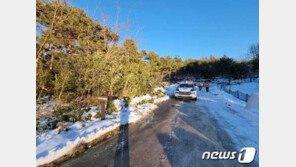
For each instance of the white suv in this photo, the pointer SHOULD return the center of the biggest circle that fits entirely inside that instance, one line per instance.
(186, 90)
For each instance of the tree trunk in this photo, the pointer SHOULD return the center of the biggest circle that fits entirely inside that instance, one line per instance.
(63, 87)
(124, 93)
(251, 77)
(51, 62)
(111, 88)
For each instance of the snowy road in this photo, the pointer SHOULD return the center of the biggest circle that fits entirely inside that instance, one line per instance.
(178, 133)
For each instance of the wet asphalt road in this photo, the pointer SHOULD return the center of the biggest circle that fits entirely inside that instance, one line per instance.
(176, 134)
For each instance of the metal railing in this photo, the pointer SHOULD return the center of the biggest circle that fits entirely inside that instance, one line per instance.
(237, 93)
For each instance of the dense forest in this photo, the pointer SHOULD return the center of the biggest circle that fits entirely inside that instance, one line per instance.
(77, 58)
(224, 67)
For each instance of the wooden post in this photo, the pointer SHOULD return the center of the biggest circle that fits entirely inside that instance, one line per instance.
(103, 100)
(103, 110)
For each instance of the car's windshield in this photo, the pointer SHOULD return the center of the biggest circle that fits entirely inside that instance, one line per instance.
(186, 86)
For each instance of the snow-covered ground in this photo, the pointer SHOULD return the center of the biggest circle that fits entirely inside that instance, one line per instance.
(245, 86)
(170, 90)
(51, 145)
(240, 123)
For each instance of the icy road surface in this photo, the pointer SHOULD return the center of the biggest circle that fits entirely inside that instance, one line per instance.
(178, 133)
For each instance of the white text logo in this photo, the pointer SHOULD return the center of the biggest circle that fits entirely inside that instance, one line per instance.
(246, 155)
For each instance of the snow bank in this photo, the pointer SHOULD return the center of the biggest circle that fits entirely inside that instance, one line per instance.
(246, 86)
(139, 99)
(118, 104)
(253, 102)
(171, 89)
(240, 123)
(51, 145)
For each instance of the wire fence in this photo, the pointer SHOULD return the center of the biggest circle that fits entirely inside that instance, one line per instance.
(237, 94)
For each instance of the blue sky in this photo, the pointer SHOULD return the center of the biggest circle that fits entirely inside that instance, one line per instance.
(189, 28)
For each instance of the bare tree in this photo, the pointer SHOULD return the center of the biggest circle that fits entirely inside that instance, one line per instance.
(254, 50)
(253, 55)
